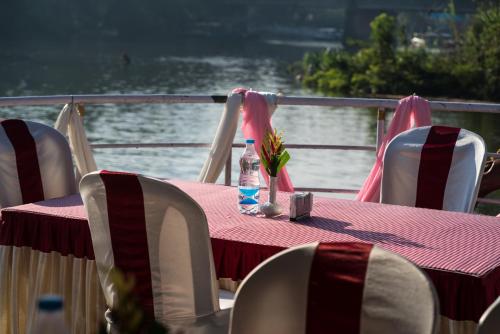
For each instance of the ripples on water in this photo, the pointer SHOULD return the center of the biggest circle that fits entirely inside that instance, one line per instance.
(198, 68)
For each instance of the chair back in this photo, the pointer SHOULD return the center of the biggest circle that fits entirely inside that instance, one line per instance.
(335, 287)
(489, 323)
(435, 167)
(35, 163)
(155, 232)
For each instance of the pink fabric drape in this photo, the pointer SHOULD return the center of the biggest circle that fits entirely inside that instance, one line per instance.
(412, 111)
(256, 123)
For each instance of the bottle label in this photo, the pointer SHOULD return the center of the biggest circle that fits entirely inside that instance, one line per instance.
(248, 196)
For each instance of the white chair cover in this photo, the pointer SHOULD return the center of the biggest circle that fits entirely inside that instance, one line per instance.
(70, 123)
(35, 163)
(156, 232)
(490, 320)
(434, 167)
(223, 140)
(335, 288)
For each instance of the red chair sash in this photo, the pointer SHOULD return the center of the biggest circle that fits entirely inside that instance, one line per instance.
(336, 286)
(28, 168)
(127, 226)
(435, 162)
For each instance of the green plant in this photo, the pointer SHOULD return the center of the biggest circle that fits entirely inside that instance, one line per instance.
(273, 154)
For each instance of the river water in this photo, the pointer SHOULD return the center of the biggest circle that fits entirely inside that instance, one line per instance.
(198, 67)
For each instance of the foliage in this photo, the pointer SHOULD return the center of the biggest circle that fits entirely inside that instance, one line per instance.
(273, 154)
(469, 70)
(480, 54)
(128, 315)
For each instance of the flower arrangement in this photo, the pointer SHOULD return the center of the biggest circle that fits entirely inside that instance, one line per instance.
(273, 154)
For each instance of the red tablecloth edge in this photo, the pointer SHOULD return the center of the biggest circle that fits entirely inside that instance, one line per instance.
(235, 260)
(43, 233)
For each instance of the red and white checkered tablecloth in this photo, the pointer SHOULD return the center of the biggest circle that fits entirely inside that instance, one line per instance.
(460, 252)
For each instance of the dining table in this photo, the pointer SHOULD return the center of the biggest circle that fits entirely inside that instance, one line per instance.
(46, 247)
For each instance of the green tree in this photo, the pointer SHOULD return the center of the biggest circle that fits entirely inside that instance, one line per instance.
(472, 70)
(383, 38)
(379, 58)
(479, 57)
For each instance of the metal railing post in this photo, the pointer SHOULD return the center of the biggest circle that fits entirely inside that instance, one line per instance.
(380, 127)
(227, 170)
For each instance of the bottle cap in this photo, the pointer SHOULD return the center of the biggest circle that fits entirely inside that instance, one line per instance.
(50, 303)
(250, 141)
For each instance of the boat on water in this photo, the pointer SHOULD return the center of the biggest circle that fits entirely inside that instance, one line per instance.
(64, 261)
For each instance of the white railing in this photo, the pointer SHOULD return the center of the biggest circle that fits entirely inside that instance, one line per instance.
(282, 100)
(380, 104)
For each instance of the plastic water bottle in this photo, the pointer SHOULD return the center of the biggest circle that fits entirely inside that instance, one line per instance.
(50, 318)
(249, 184)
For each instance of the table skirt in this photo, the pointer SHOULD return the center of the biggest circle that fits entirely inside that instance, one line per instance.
(34, 273)
(27, 274)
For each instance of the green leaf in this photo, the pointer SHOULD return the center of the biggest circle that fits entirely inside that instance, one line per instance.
(273, 168)
(284, 157)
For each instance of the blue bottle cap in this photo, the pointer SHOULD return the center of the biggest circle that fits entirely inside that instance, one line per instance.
(50, 303)
(250, 141)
